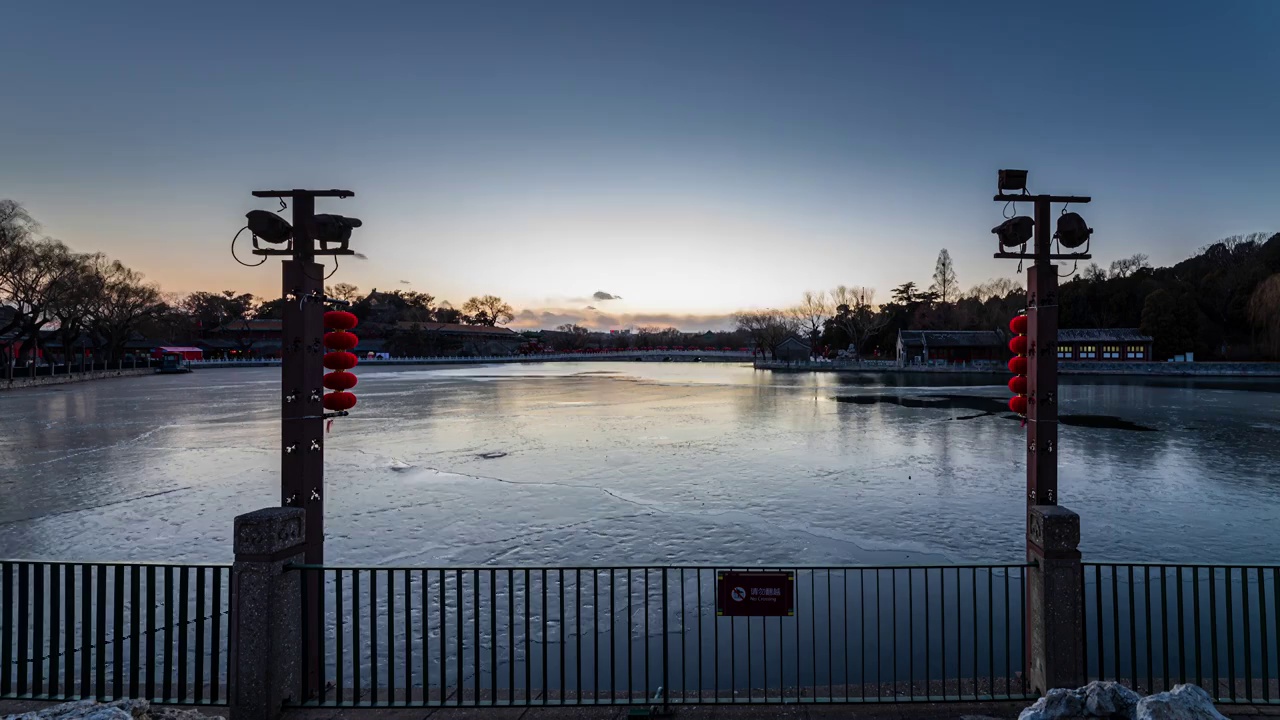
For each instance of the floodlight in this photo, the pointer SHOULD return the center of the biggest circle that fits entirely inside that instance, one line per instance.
(1013, 180)
(1015, 231)
(334, 229)
(1072, 230)
(269, 226)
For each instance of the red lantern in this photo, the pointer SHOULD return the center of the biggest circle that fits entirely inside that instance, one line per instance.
(1017, 365)
(340, 360)
(1017, 404)
(339, 401)
(340, 380)
(1018, 324)
(1017, 383)
(340, 340)
(1018, 345)
(340, 320)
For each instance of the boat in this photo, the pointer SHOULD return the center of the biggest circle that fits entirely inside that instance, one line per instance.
(172, 364)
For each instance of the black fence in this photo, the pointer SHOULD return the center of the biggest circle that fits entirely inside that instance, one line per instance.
(1151, 626)
(632, 635)
(114, 630)
(75, 368)
(638, 635)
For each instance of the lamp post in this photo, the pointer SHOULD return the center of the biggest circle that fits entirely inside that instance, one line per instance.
(1054, 602)
(302, 414)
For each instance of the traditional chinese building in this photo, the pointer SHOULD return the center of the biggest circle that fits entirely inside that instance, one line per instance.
(258, 337)
(471, 340)
(1110, 345)
(934, 347)
(931, 347)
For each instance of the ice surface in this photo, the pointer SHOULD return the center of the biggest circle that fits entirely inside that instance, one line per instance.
(595, 463)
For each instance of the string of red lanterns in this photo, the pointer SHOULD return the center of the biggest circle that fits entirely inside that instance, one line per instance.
(339, 359)
(1018, 365)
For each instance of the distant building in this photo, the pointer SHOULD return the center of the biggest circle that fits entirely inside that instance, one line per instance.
(258, 337)
(469, 340)
(930, 347)
(1111, 345)
(793, 349)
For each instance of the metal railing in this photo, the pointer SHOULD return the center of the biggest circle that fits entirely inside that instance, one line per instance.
(114, 630)
(640, 635)
(513, 358)
(60, 369)
(1153, 625)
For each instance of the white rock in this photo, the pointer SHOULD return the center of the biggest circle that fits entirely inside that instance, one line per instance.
(118, 710)
(1183, 702)
(1057, 704)
(1109, 699)
(102, 713)
(173, 713)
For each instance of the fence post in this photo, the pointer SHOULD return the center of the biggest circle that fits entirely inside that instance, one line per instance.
(266, 612)
(1055, 599)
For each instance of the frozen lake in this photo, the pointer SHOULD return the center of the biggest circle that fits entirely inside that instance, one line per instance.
(598, 463)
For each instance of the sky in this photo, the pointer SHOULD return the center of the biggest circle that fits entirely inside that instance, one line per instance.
(690, 158)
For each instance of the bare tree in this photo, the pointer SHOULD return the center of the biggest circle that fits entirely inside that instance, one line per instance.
(1264, 311)
(1235, 243)
(1094, 273)
(576, 340)
(999, 288)
(858, 316)
(944, 278)
(125, 301)
(343, 291)
(36, 272)
(74, 304)
(812, 313)
(766, 328)
(488, 310)
(1125, 267)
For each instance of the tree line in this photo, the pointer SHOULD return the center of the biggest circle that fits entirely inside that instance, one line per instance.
(44, 283)
(93, 304)
(1223, 303)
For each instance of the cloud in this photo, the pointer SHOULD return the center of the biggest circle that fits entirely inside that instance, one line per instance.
(405, 282)
(602, 296)
(588, 308)
(550, 318)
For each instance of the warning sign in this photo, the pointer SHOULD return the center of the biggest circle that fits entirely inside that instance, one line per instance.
(740, 593)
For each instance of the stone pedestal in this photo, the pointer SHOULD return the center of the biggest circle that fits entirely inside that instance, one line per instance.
(1055, 599)
(266, 612)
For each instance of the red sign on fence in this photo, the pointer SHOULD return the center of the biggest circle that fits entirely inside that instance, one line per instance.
(771, 594)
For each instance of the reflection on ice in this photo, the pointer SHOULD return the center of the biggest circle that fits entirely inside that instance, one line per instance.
(636, 463)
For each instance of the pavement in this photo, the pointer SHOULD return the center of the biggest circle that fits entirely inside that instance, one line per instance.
(877, 711)
(904, 711)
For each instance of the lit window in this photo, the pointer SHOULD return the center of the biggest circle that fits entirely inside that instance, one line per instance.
(1110, 352)
(1137, 352)
(1064, 352)
(1088, 352)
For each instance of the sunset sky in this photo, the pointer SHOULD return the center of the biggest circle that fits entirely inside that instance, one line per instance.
(692, 158)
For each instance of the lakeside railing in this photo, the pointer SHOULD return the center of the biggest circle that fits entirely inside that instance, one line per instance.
(1154, 625)
(114, 630)
(627, 635)
(544, 357)
(76, 368)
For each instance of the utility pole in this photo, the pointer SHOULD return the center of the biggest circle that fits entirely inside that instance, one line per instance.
(1054, 602)
(302, 414)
